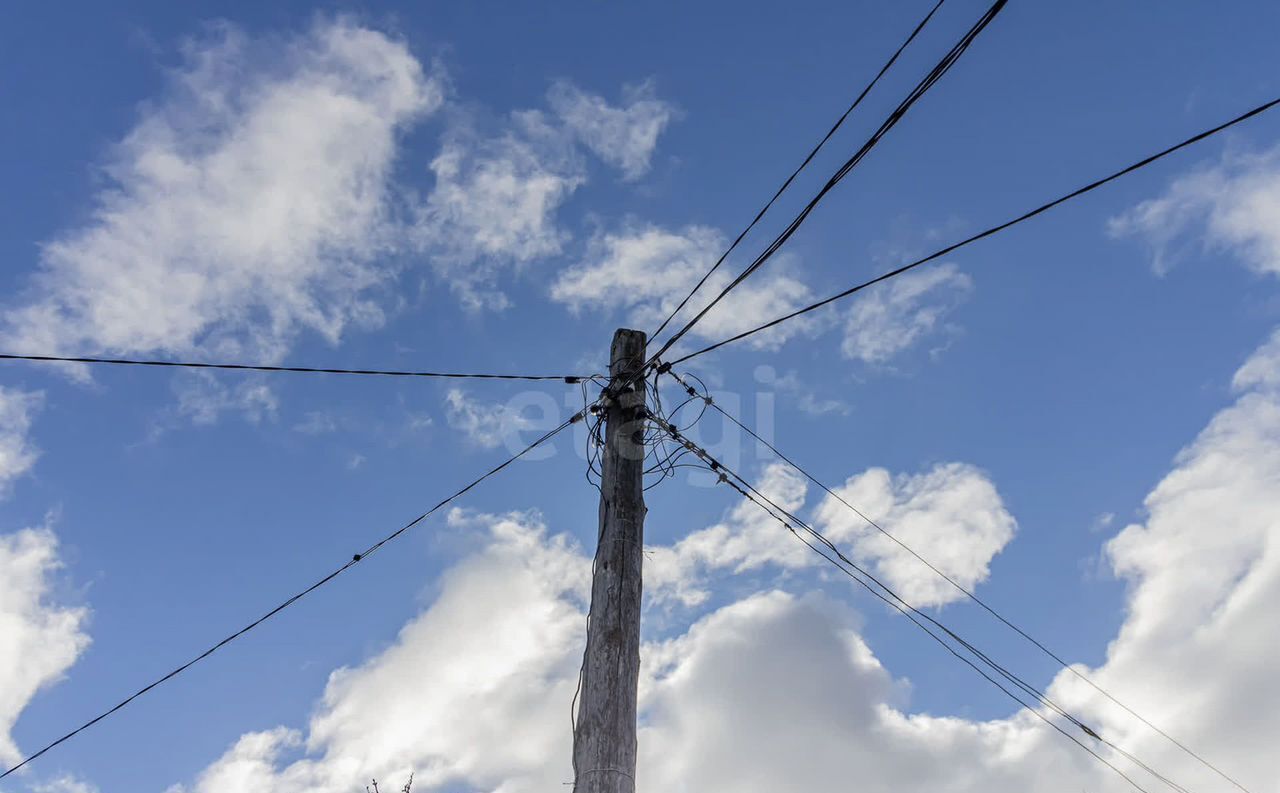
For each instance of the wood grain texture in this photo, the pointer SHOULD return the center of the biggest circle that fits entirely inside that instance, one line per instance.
(605, 739)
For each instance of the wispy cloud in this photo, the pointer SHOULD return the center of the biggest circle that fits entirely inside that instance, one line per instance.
(624, 136)
(886, 321)
(1231, 205)
(17, 453)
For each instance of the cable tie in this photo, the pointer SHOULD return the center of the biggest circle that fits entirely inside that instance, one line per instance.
(708, 400)
(723, 477)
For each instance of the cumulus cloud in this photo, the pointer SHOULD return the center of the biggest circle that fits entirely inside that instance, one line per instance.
(777, 691)
(245, 207)
(17, 454)
(886, 321)
(645, 271)
(41, 638)
(500, 645)
(951, 514)
(747, 539)
(623, 136)
(1233, 205)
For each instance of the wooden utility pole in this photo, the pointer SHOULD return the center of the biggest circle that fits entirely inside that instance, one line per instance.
(604, 751)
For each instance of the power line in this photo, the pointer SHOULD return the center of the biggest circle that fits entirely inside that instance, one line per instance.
(813, 153)
(993, 230)
(942, 67)
(355, 559)
(967, 592)
(882, 591)
(571, 379)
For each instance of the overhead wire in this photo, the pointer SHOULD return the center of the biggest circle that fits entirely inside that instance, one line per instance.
(570, 379)
(988, 232)
(885, 593)
(921, 88)
(813, 153)
(355, 559)
(692, 391)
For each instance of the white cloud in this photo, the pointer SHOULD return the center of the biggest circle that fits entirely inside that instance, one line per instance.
(317, 422)
(647, 270)
(203, 398)
(1232, 205)
(888, 319)
(748, 539)
(65, 783)
(800, 393)
(494, 203)
(496, 199)
(487, 424)
(500, 647)
(17, 454)
(950, 514)
(41, 639)
(623, 136)
(245, 207)
(779, 692)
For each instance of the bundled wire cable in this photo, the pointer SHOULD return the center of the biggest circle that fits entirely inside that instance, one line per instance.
(921, 88)
(813, 153)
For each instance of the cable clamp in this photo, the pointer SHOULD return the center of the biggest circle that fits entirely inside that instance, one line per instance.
(664, 368)
(573, 380)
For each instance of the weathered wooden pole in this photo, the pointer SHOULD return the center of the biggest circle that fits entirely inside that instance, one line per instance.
(604, 752)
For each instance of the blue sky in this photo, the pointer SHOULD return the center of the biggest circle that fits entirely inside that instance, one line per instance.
(1077, 416)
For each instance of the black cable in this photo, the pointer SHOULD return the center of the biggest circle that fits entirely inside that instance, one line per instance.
(355, 559)
(572, 379)
(994, 229)
(967, 593)
(940, 69)
(866, 90)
